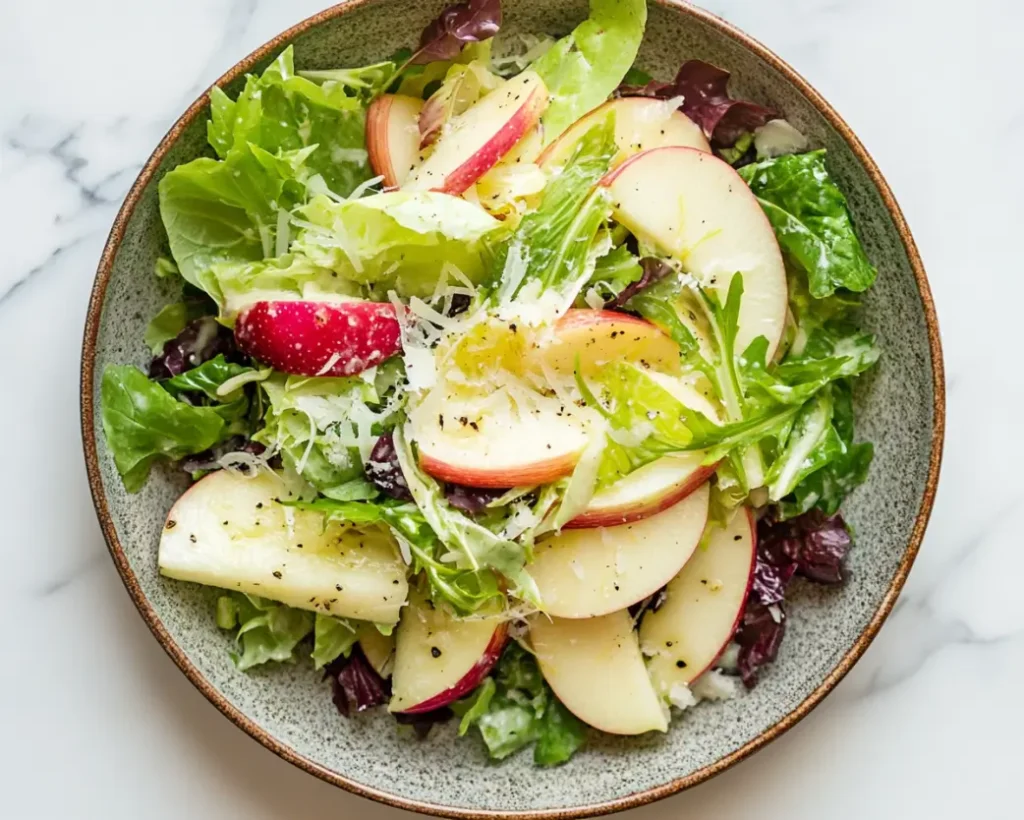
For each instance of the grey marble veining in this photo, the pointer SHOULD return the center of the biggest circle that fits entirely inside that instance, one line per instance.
(100, 723)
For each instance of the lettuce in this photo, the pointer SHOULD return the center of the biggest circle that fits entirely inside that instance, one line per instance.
(397, 240)
(144, 423)
(811, 220)
(267, 631)
(582, 70)
(170, 321)
(515, 708)
(283, 112)
(332, 638)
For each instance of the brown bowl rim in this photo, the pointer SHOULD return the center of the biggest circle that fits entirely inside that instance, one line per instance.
(284, 751)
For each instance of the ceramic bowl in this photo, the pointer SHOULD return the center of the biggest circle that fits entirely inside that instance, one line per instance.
(289, 709)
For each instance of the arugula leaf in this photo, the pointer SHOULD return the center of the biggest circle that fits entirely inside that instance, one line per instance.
(476, 546)
(614, 273)
(332, 638)
(267, 631)
(142, 422)
(365, 82)
(812, 443)
(552, 245)
(810, 218)
(657, 304)
(582, 70)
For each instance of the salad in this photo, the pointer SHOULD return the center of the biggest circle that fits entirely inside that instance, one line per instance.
(514, 385)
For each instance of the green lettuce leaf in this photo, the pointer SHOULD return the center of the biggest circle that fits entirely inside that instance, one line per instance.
(332, 638)
(267, 631)
(142, 423)
(401, 240)
(283, 112)
(582, 70)
(207, 378)
(365, 82)
(227, 211)
(812, 222)
(319, 424)
(515, 708)
(614, 272)
(171, 320)
(552, 246)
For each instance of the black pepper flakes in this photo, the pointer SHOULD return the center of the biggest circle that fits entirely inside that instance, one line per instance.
(276, 573)
(680, 664)
(171, 524)
(435, 652)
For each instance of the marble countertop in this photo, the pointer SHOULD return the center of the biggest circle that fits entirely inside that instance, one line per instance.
(97, 721)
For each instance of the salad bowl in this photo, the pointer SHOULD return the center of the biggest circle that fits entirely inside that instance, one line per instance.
(900, 407)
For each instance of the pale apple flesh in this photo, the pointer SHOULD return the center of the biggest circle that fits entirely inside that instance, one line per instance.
(597, 337)
(645, 492)
(583, 573)
(703, 606)
(477, 139)
(393, 137)
(493, 442)
(232, 532)
(596, 669)
(641, 123)
(694, 207)
(438, 658)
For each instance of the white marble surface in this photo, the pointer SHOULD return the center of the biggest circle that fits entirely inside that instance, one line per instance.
(97, 722)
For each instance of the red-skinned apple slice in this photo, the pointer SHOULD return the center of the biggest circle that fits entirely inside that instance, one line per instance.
(641, 123)
(439, 659)
(393, 136)
(584, 573)
(602, 336)
(645, 492)
(378, 648)
(232, 532)
(478, 138)
(695, 207)
(595, 668)
(493, 443)
(319, 338)
(703, 606)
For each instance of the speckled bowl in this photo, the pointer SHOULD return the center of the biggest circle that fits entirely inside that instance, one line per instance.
(289, 710)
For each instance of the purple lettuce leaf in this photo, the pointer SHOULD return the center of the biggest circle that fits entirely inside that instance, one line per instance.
(706, 101)
(458, 24)
(198, 342)
(384, 471)
(355, 684)
(812, 545)
(759, 635)
(471, 500)
(654, 270)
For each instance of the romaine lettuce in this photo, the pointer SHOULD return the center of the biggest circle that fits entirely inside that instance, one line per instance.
(582, 70)
(398, 240)
(811, 220)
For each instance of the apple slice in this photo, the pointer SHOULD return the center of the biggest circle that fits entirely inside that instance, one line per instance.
(695, 207)
(583, 573)
(230, 531)
(645, 492)
(495, 442)
(378, 648)
(595, 668)
(641, 123)
(439, 659)
(478, 138)
(703, 606)
(393, 136)
(602, 336)
(319, 338)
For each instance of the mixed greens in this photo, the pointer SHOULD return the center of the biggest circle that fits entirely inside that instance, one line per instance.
(496, 355)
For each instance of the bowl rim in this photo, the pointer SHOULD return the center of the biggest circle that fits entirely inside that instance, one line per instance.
(239, 718)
